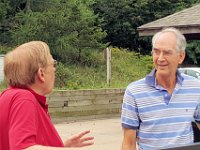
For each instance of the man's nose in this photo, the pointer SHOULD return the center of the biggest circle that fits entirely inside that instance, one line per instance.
(161, 56)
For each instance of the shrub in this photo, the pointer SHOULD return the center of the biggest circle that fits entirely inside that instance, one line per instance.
(63, 74)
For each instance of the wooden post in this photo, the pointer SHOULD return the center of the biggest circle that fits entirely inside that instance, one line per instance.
(108, 60)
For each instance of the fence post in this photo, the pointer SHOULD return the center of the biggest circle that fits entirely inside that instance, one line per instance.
(108, 60)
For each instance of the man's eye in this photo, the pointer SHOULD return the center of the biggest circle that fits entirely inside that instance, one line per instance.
(167, 53)
(156, 51)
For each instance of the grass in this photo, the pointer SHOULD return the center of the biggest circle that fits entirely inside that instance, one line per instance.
(126, 67)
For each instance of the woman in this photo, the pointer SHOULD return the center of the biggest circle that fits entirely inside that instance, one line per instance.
(24, 120)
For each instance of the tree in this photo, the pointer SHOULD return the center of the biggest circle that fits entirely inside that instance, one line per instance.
(193, 53)
(122, 17)
(67, 26)
(81, 36)
(3, 24)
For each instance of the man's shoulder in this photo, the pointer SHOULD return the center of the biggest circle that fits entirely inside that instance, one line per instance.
(138, 86)
(189, 80)
(137, 83)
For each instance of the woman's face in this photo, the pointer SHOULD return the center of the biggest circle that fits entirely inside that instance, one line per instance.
(49, 75)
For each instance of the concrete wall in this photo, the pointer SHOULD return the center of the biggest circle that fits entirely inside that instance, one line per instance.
(85, 104)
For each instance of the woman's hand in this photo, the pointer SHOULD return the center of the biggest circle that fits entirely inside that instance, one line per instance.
(79, 140)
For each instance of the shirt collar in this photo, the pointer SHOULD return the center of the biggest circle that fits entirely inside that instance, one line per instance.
(151, 80)
(41, 99)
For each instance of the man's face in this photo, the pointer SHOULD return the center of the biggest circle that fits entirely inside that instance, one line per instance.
(165, 56)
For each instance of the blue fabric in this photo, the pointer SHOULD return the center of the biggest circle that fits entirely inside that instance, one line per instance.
(160, 116)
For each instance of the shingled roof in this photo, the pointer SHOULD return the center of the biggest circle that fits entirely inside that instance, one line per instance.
(187, 21)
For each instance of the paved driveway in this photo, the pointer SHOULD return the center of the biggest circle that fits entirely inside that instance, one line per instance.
(107, 132)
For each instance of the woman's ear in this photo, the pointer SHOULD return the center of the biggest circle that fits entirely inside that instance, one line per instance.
(40, 75)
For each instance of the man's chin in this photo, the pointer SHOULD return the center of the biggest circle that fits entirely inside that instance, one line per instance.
(162, 72)
(162, 67)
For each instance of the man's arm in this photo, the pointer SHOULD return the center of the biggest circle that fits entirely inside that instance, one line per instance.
(129, 140)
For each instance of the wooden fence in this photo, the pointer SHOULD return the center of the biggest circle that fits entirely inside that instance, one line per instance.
(85, 104)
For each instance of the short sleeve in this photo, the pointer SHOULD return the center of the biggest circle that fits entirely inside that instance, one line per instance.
(22, 126)
(129, 115)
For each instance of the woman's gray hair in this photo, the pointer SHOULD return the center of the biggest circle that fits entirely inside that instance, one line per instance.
(180, 38)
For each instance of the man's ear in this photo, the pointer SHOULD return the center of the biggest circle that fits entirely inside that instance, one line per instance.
(40, 75)
(181, 57)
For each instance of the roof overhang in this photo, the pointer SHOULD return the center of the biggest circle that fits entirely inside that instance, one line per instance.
(187, 21)
(191, 32)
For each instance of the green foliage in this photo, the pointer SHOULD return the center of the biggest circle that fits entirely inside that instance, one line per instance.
(149, 63)
(81, 36)
(193, 53)
(86, 78)
(3, 85)
(2, 11)
(121, 19)
(67, 26)
(126, 67)
(78, 29)
(63, 74)
(4, 49)
(27, 27)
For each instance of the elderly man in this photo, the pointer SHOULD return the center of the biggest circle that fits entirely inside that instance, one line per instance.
(157, 110)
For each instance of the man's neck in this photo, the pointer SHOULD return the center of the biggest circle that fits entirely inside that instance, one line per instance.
(167, 82)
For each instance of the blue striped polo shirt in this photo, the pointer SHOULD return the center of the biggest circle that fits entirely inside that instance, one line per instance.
(161, 120)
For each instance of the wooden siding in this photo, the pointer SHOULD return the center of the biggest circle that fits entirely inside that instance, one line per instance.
(79, 104)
